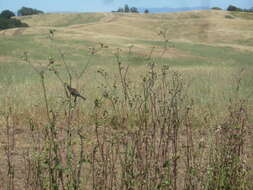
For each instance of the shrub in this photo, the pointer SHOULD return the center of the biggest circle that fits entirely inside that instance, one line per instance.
(229, 17)
(10, 23)
(134, 10)
(126, 9)
(28, 11)
(217, 8)
(7, 14)
(120, 10)
(233, 8)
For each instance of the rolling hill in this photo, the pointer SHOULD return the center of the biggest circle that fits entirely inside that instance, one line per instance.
(195, 38)
(187, 29)
(169, 95)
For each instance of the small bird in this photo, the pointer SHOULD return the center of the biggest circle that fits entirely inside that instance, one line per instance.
(74, 92)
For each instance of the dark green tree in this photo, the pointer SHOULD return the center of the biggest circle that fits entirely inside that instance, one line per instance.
(120, 10)
(6, 23)
(233, 8)
(146, 11)
(216, 8)
(7, 14)
(134, 10)
(126, 9)
(28, 11)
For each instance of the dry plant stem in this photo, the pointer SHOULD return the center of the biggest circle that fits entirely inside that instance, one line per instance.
(66, 66)
(164, 35)
(85, 68)
(10, 149)
(51, 137)
(189, 184)
(123, 75)
(81, 161)
(51, 37)
(151, 53)
(45, 95)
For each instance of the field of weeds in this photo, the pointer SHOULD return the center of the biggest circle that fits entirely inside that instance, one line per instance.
(161, 109)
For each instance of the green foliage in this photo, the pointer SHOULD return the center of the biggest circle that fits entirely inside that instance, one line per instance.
(10, 23)
(146, 11)
(7, 22)
(216, 8)
(134, 10)
(28, 11)
(126, 9)
(233, 8)
(244, 15)
(229, 16)
(121, 10)
(7, 14)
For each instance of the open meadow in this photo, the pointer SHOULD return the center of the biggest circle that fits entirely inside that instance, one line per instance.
(169, 102)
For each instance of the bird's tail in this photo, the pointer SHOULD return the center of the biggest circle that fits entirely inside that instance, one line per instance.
(82, 97)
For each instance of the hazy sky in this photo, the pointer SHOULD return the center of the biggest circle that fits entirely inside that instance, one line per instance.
(109, 5)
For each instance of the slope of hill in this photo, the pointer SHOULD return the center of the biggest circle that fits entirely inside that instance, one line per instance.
(194, 26)
(195, 38)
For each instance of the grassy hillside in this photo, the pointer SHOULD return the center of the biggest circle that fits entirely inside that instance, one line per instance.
(175, 87)
(198, 40)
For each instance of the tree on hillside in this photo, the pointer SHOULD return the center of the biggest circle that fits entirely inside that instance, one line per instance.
(134, 10)
(216, 8)
(6, 23)
(233, 8)
(146, 11)
(120, 10)
(7, 14)
(28, 11)
(126, 9)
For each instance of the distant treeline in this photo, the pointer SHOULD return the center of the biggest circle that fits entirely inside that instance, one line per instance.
(7, 20)
(24, 11)
(234, 8)
(128, 9)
